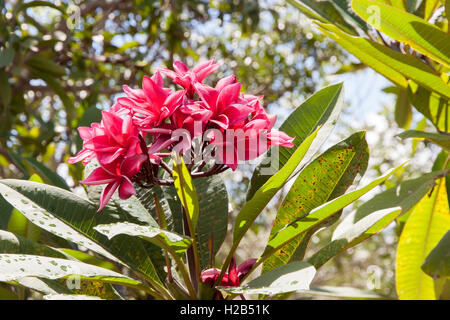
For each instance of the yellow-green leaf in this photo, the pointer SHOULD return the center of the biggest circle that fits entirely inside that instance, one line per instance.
(441, 140)
(394, 65)
(427, 224)
(318, 215)
(403, 111)
(263, 195)
(432, 105)
(407, 28)
(430, 7)
(186, 190)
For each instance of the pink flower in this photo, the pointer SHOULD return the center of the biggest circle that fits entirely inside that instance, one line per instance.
(242, 129)
(229, 107)
(187, 78)
(193, 116)
(120, 138)
(230, 279)
(152, 104)
(246, 126)
(88, 152)
(116, 175)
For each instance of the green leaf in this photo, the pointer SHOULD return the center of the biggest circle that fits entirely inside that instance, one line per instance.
(321, 109)
(6, 294)
(408, 29)
(37, 3)
(13, 243)
(317, 216)
(5, 89)
(186, 191)
(47, 174)
(431, 105)
(403, 111)
(344, 293)
(427, 224)
(440, 163)
(405, 195)
(20, 225)
(213, 211)
(430, 8)
(44, 286)
(437, 263)
(323, 11)
(70, 297)
(447, 9)
(130, 210)
(400, 4)
(128, 45)
(6, 56)
(325, 178)
(46, 65)
(5, 213)
(72, 218)
(17, 159)
(344, 8)
(213, 215)
(263, 195)
(82, 286)
(351, 231)
(394, 65)
(39, 216)
(374, 215)
(292, 277)
(441, 140)
(87, 258)
(16, 266)
(155, 235)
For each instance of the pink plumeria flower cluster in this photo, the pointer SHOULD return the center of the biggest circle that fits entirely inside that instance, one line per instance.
(154, 113)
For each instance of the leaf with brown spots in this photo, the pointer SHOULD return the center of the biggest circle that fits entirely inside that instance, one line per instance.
(324, 179)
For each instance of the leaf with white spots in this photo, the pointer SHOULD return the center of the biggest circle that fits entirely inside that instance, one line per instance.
(155, 235)
(17, 266)
(45, 220)
(292, 277)
(67, 215)
(70, 297)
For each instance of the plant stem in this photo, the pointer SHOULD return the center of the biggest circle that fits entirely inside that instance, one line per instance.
(166, 167)
(182, 269)
(163, 225)
(192, 252)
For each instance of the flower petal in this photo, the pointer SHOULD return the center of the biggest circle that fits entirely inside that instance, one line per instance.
(228, 95)
(180, 67)
(154, 93)
(107, 193)
(208, 95)
(222, 83)
(126, 189)
(99, 176)
(245, 267)
(83, 154)
(131, 165)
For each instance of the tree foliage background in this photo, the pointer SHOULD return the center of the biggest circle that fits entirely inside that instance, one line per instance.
(63, 61)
